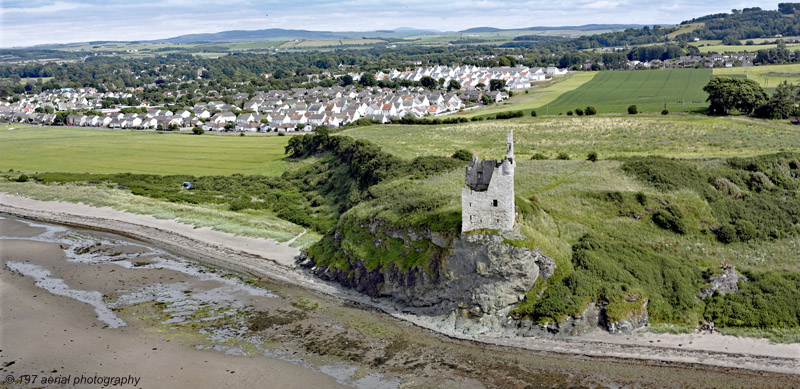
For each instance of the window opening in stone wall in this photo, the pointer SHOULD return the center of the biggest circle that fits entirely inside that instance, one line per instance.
(494, 203)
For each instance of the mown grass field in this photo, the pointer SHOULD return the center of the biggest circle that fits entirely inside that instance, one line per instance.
(613, 91)
(768, 76)
(536, 97)
(84, 150)
(691, 136)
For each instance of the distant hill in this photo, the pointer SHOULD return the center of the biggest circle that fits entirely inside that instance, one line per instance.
(285, 34)
(585, 27)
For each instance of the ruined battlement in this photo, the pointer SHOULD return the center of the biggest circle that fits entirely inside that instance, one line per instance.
(488, 199)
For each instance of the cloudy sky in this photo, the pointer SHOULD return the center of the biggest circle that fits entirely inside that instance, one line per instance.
(32, 22)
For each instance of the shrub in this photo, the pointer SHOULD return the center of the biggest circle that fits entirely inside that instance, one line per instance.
(745, 230)
(464, 155)
(727, 187)
(197, 131)
(509, 115)
(578, 111)
(727, 234)
(241, 134)
(641, 198)
(281, 134)
(569, 113)
(590, 110)
(760, 182)
(592, 157)
(665, 112)
(670, 218)
(538, 156)
(240, 204)
(633, 110)
(564, 156)
(22, 178)
(533, 112)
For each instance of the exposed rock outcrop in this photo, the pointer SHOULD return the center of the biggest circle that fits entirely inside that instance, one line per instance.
(473, 275)
(723, 283)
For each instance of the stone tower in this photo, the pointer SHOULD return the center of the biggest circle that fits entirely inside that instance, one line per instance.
(488, 199)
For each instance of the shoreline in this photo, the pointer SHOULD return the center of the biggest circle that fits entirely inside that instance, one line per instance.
(267, 259)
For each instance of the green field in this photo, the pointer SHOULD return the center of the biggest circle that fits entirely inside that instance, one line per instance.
(536, 97)
(768, 76)
(328, 42)
(742, 48)
(683, 29)
(614, 91)
(691, 136)
(26, 80)
(67, 149)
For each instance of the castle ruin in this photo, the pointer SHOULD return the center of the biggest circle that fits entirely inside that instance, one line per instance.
(488, 199)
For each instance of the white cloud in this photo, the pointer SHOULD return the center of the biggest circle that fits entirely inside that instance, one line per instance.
(58, 6)
(603, 4)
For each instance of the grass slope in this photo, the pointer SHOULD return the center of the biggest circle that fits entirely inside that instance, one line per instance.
(614, 91)
(83, 150)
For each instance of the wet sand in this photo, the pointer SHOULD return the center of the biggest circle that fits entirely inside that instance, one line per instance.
(56, 336)
(754, 354)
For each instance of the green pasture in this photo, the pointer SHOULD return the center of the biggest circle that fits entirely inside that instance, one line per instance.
(536, 97)
(613, 91)
(328, 42)
(685, 28)
(691, 136)
(84, 150)
(742, 48)
(27, 80)
(768, 76)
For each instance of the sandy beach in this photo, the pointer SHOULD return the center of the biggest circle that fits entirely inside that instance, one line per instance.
(266, 259)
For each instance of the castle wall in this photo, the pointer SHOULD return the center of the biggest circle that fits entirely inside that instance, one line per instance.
(493, 208)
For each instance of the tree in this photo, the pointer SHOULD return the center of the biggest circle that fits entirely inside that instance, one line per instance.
(368, 80)
(633, 109)
(579, 111)
(428, 82)
(782, 103)
(197, 131)
(347, 80)
(728, 94)
(480, 85)
(788, 8)
(495, 84)
(486, 100)
(453, 84)
(60, 119)
(590, 110)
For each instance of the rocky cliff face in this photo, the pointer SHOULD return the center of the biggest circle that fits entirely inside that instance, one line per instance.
(469, 286)
(475, 274)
